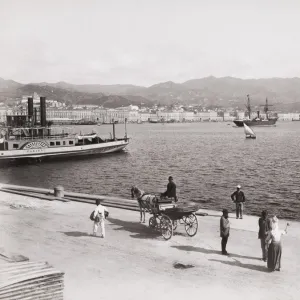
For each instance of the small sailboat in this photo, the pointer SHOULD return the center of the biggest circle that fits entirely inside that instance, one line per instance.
(249, 132)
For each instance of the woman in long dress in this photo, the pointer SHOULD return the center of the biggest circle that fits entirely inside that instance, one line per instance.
(275, 248)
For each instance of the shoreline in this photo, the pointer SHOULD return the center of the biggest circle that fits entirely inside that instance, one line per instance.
(73, 196)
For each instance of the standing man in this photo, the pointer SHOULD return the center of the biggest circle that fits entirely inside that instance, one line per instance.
(171, 190)
(238, 198)
(224, 230)
(100, 214)
(264, 224)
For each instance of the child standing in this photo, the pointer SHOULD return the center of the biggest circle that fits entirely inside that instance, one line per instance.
(99, 218)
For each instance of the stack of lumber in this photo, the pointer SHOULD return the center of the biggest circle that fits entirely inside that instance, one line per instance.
(30, 280)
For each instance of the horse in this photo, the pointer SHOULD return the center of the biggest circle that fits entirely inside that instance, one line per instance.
(146, 201)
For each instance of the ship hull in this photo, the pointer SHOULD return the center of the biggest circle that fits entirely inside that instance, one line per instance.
(251, 123)
(84, 150)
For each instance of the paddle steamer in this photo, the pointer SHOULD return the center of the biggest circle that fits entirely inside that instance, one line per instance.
(30, 136)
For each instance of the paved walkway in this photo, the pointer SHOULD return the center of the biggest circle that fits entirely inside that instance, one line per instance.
(133, 262)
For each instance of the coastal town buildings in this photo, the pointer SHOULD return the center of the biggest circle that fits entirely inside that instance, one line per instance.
(133, 114)
(104, 115)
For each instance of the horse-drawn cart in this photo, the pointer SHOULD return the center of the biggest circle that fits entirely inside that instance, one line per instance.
(166, 214)
(166, 218)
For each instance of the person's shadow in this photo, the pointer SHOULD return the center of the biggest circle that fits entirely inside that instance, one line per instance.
(77, 234)
(141, 231)
(210, 251)
(237, 263)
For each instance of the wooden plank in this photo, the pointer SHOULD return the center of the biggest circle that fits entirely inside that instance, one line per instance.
(26, 264)
(33, 290)
(48, 296)
(18, 272)
(34, 282)
(14, 278)
(41, 295)
(28, 276)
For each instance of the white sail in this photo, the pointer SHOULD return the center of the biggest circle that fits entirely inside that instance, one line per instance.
(248, 130)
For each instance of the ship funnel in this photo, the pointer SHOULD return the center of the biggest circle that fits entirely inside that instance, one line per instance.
(43, 111)
(30, 107)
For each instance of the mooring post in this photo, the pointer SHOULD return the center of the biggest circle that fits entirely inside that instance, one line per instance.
(114, 130)
(59, 191)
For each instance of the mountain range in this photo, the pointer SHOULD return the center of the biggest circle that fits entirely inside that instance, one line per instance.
(283, 93)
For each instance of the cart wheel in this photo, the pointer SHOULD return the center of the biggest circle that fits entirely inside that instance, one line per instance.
(166, 227)
(152, 222)
(174, 225)
(191, 224)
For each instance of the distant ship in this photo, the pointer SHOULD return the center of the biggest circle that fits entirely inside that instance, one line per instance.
(258, 121)
(153, 121)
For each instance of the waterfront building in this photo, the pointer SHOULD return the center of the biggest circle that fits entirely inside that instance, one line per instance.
(145, 116)
(288, 116)
(228, 116)
(166, 115)
(85, 106)
(208, 116)
(188, 116)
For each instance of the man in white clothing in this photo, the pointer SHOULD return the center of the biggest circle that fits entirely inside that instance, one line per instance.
(99, 218)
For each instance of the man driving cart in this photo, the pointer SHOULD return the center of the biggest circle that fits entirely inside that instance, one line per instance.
(171, 190)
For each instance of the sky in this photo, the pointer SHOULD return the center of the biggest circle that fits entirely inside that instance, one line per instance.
(146, 42)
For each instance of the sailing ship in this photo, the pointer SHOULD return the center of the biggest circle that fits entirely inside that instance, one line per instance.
(249, 132)
(29, 136)
(258, 121)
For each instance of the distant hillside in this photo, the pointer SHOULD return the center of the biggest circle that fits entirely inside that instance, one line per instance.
(283, 93)
(277, 90)
(58, 94)
(75, 97)
(115, 89)
(8, 85)
(114, 101)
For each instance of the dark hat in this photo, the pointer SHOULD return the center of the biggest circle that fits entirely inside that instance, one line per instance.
(225, 211)
(170, 178)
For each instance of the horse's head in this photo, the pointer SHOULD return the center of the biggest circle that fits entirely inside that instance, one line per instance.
(135, 192)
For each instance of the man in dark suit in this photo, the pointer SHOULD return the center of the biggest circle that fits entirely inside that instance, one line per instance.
(238, 198)
(171, 190)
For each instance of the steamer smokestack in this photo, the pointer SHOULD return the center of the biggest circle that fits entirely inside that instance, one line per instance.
(43, 111)
(30, 107)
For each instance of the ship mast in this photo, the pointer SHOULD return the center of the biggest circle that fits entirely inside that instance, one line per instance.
(266, 108)
(248, 106)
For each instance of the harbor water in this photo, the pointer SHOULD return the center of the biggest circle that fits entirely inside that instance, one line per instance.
(207, 161)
